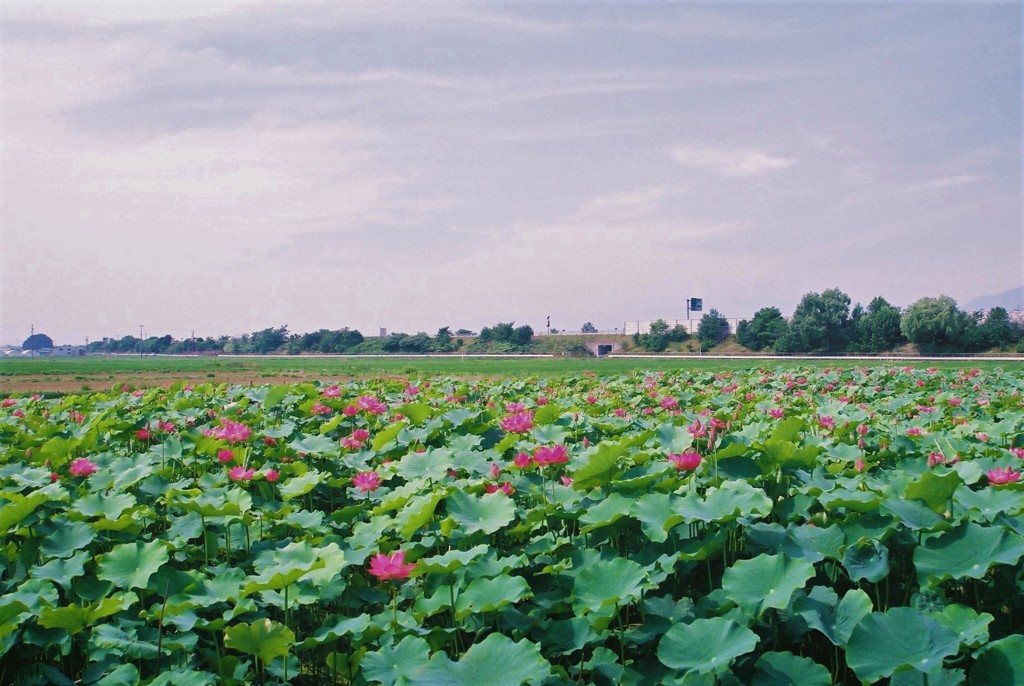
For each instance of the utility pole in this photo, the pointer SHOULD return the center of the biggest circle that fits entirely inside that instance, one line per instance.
(140, 340)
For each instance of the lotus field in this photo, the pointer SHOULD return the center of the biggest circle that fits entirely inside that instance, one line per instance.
(819, 526)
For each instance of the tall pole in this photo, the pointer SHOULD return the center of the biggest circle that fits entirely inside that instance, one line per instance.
(140, 340)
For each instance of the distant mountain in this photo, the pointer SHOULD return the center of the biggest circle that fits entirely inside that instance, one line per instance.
(1012, 299)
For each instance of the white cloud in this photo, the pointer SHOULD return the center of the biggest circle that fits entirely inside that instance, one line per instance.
(945, 182)
(730, 162)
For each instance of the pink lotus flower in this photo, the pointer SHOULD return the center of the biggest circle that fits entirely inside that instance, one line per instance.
(522, 460)
(142, 434)
(981, 436)
(827, 423)
(366, 482)
(668, 403)
(8, 402)
(360, 434)
(350, 411)
(225, 455)
(495, 470)
(553, 455)
(566, 481)
(512, 408)
(542, 400)
(268, 440)
(955, 401)
(240, 473)
(351, 443)
(586, 442)
(619, 412)
(371, 404)
(915, 431)
(862, 429)
(320, 409)
(391, 566)
(935, 459)
(697, 430)
(411, 390)
(54, 477)
(505, 488)
(1019, 452)
(232, 432)
(859, 465)
(272, 475)
(332, 391)
(776, 412)
(1000, 477)
(687, 461)
(591, 399)
(518, 423)
(81, 466)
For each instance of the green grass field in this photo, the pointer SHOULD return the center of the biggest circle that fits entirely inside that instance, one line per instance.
(66, 374)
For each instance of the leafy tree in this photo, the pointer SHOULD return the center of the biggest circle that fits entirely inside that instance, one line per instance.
(37, 341)
(266, 341)
(588, 328)
(712, 329)
(443, 340)
(464, 332)
(656, 339)
(767, 327)
(879, 328)
(997, 330)
(934, 323)
(821, 322)
(522, 335)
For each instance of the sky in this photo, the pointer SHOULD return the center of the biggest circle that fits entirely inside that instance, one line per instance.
(220, 167)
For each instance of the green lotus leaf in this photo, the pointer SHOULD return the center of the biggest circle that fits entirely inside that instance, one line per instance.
(705, 645)
(966, 552)
(18, 506)
(497, 659)
(915, 514)
(942, 677)
(385, 436)
(298, 486)
(999, 663)
(488, 595)
(656, 514)
(449, 561)
(787, 669)
(122, 675)
(672, 438)
(965, 622)
(284, 430)
(822, 610)
(397, 664)
(129, 565)
(733, 500)
(867, 559)
(281, 567)
(901, 638)
(9, 612)
(125, 644)
(487, 513)
(601, 584)
(61, 570)
(989, 503)
(67, 538)
(344, 626)
(767, 581)
(850, 500)
(431, 465)
(606, 512)
(184, 677)
(74, 618)
(933, 490)
(417, 413)
(313, 445)
(107, 506)
(263, 638)
(601, 467)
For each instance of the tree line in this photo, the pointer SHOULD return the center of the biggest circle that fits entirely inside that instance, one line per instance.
(825, 323)
(822, 323)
